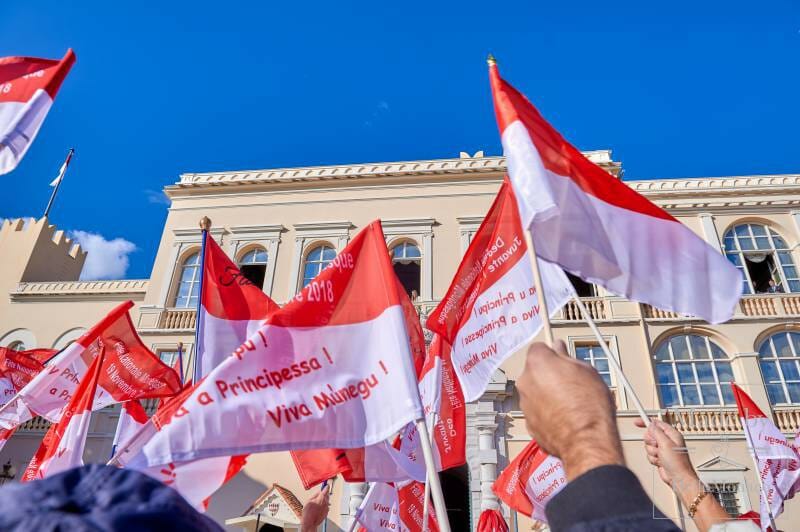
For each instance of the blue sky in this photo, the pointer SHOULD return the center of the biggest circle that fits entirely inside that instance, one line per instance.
(675, 89)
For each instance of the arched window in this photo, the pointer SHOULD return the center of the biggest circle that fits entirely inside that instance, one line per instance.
(693, 371)
(253, 266)
(407, 261)
(19, 345)
(189, 284)
(316, 260)
(763, 258)
(779, 356)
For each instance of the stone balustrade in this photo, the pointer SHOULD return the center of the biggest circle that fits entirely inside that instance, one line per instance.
(37, 424)
(174, 318)
(694, 421)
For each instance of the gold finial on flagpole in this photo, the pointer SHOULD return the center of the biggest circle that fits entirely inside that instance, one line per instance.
(490, 60)
(205, 223)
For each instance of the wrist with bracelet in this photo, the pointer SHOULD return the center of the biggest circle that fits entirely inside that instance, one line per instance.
(697, 500)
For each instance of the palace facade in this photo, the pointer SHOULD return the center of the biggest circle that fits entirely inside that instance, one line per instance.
(282, 226)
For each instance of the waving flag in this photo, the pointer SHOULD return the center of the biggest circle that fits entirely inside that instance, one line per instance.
(19, 367)
(132, 418)
(62, 446)
(491, 309)
(130, 371)
(776, 459)
(28, 86)
(593, 225)
(445, 409)
(380, 509)
(332, 368)
(530, 481)
(411, 500)
(231, 309)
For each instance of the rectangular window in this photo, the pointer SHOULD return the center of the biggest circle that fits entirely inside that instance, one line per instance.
(727, 494)
(594, 355)
(168, 357)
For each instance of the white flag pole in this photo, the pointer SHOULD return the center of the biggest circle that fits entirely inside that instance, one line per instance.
(612, 359)
(433, 477)
(537, 282)
(758, 472)
(426, 503)
(360, 509)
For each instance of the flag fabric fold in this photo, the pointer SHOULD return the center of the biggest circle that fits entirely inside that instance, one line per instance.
(332, 368)
(28, 87)
(598, 228)
(777, 460)
(130, 371)
(530, 481)
(63, 445)
(132, 417)
(231, 309)
(492, 309)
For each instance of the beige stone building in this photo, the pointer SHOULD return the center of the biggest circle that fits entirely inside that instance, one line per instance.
(282, 226)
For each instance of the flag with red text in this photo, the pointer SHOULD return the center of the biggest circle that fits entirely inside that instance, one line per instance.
(777, 460)
(491, 308)
(130, 371)
(411, 500)
(595, 226)
(380, 509)
(530, 481)
(63, 445)
(231, 309)
(332, 368)
(28, 87)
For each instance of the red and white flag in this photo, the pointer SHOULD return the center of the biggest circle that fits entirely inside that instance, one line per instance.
(231, 309)
(28, 86)
(130, 371)
(63, 169)
(380, 509)
(491, 309)
(776, 459)
(595, 226)
(445, 411)
(62, 446)
(332, 368)
(528, 483)
(17, 368)
(411, 499)
(132, 417)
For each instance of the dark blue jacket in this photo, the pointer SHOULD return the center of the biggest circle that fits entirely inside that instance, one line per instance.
(605, 499)
(98, 498)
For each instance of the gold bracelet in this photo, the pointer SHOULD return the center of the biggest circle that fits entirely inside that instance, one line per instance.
(696, 502)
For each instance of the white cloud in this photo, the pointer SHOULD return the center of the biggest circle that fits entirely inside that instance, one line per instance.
(105, 259)
(156, 196)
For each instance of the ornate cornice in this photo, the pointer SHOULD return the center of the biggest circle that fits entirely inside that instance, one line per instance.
(80, 289)
(463, 165)
(490, 167)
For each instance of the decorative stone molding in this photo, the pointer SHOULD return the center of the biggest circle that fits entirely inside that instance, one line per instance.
(134, 288)
(337, 233)
(467, 227)
(421, 229)
(471, 165)
(266, 236)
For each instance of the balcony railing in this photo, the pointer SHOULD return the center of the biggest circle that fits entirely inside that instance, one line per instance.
(37, 424)
(787, 418)
(696, 421)
(595, 305)
(174, 318)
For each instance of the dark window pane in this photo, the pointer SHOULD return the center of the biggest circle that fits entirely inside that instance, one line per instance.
(710, 395)
(781, 344)
(724, 372)
(663, 352)
(794, 392)
(669, 395)
(727, 394)
(601, 365)
(770, 372)
(717, 352)
(664, 373)
(685, 373)
(698, 344)
(704, 373)
(690, 395)
(775, 393)
(789, 368)
(679, 349)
